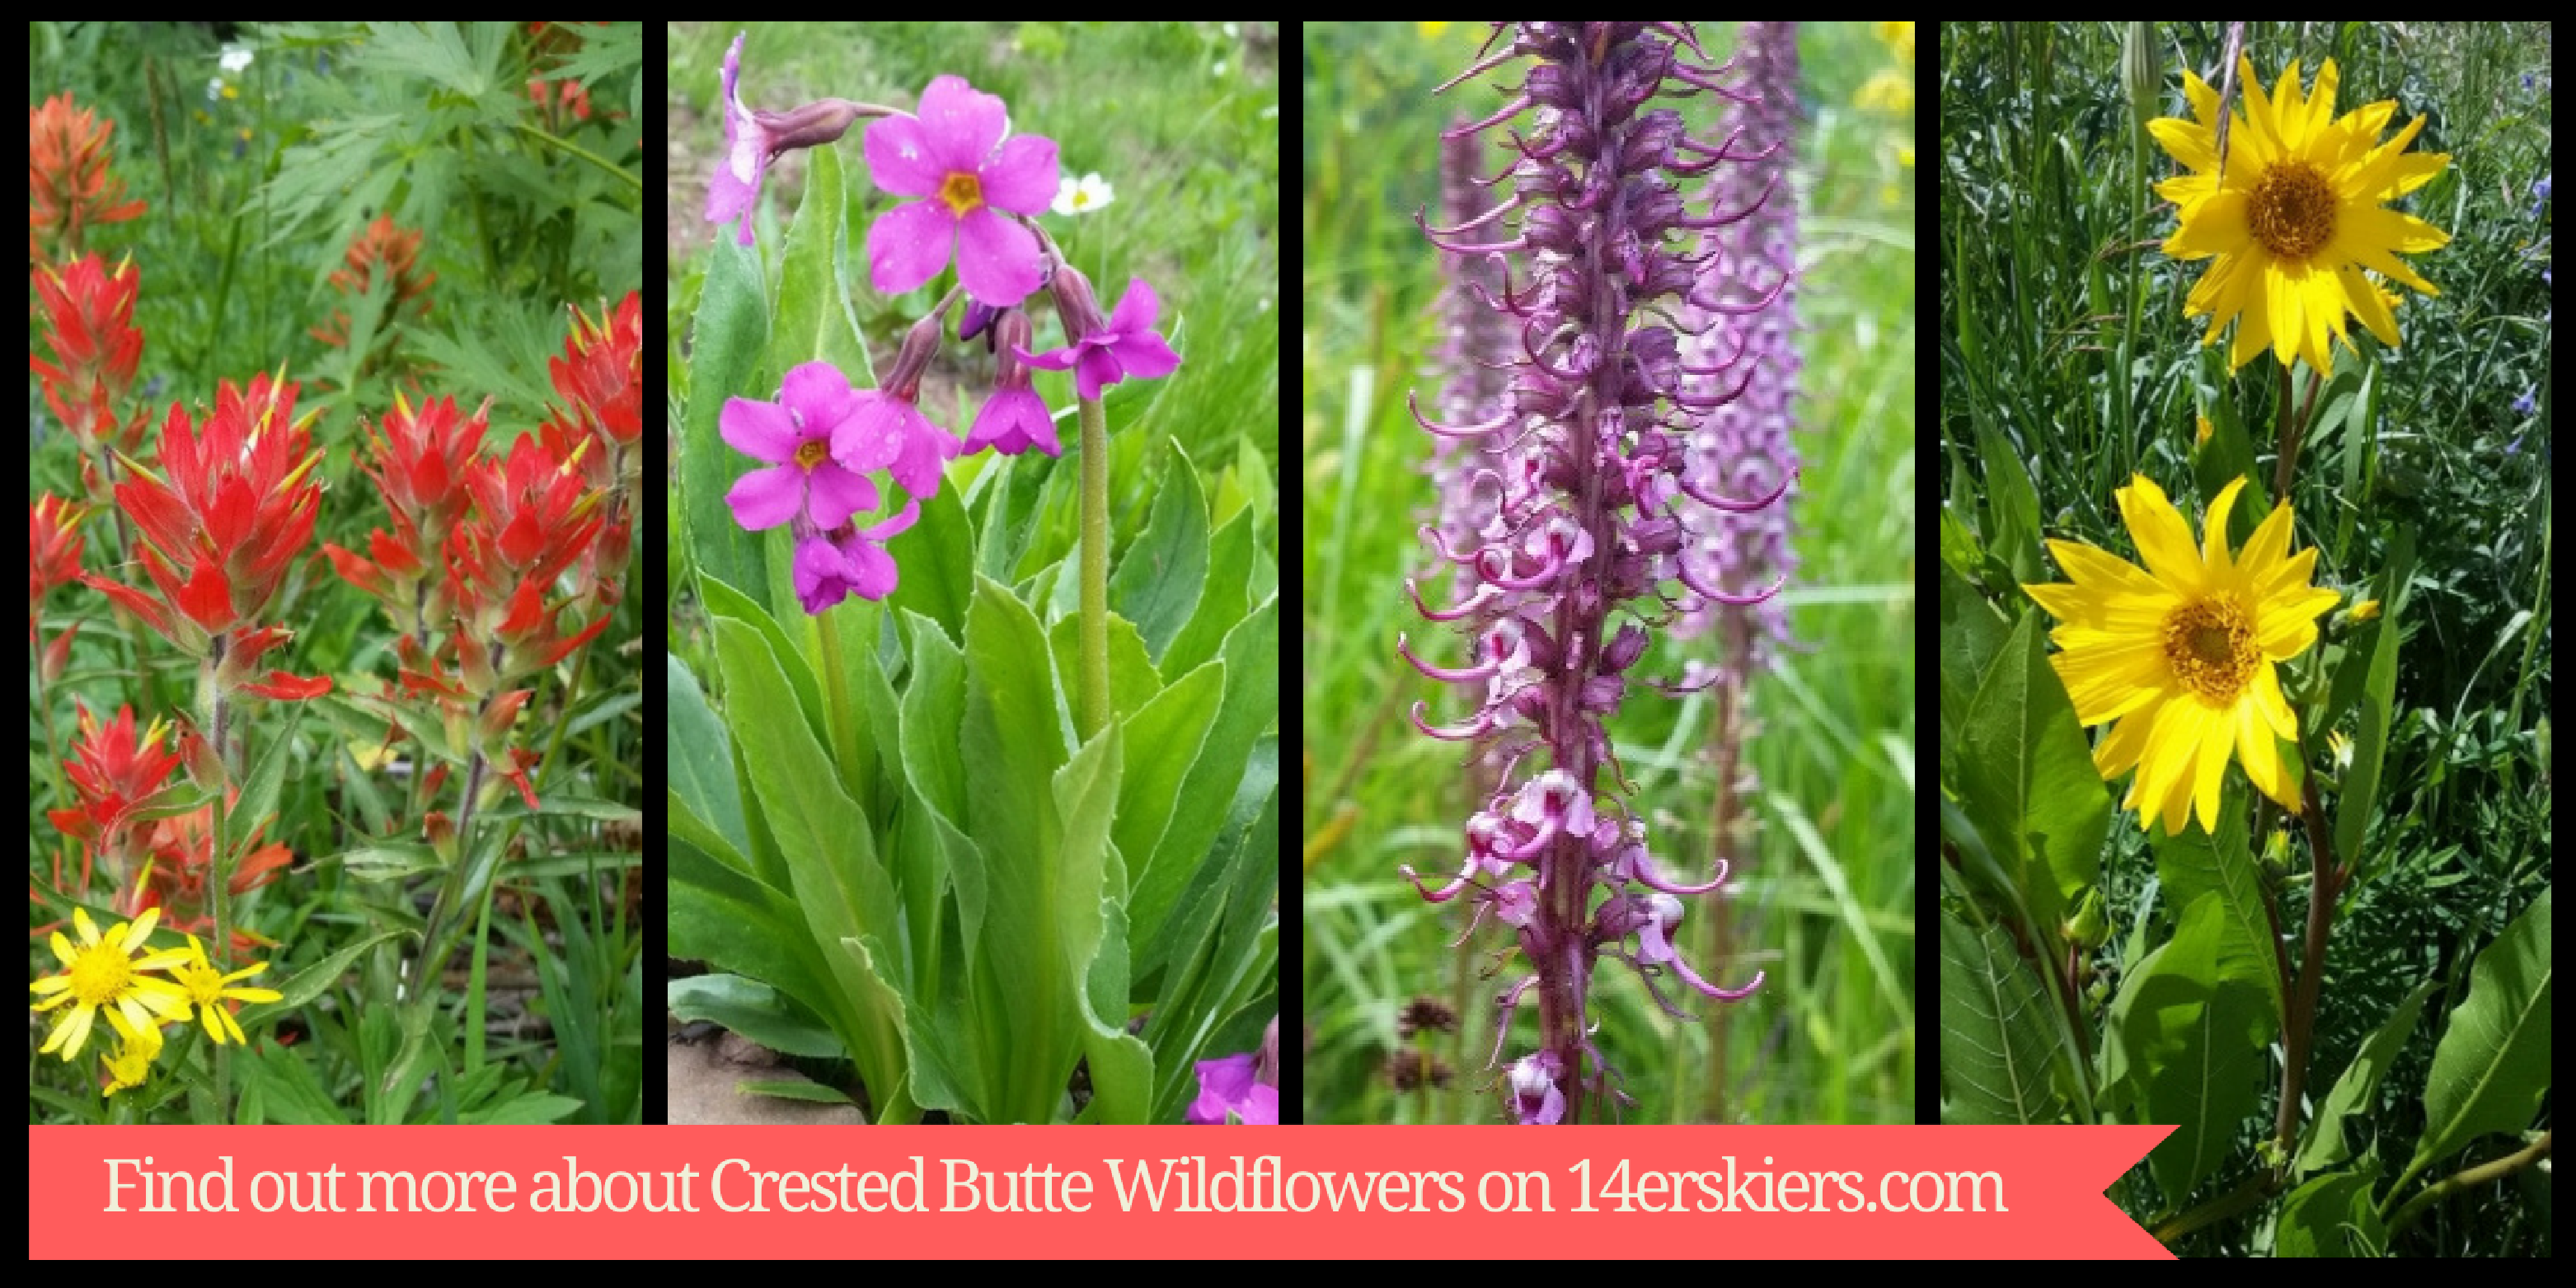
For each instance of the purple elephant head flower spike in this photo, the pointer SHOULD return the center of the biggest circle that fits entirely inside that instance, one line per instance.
(1588, 456)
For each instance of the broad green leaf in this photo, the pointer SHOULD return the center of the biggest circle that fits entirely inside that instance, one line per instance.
(387, 861)
(312, 981)
(2331, 1216)
(813, 323)
(2370, 742)
(1133, 681)
(936, 555)
(1094, 930)
(752, 1009)
(1158, 580)
(1010, 522)
(1162, 742)
(827, 843)
(794, 1090)
(2015, 503)
(1012, 740)
(2193, 1050)
(1251, 699)
(2195, 865)
(1227, 597)
(2353, 1091)
(897, 1101)
(2028, 778)
(934, 709)
(1972, 632)
(2492, 1066)
(2000, 1050)
(726, 340)
(682, 823)
(725, 601)
(718, 915)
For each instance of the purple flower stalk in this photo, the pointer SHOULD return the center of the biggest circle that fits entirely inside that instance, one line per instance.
(1589, 459)
(1745, 313)
(953, 157)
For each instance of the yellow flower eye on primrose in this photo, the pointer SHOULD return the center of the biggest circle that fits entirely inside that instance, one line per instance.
(2297, 217)
(2179, 654)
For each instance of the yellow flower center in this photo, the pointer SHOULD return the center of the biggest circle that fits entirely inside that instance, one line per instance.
(100, 975)
(204, 984)
(962, 191)
(2210, 646)
(810, 453)
(2292, 210)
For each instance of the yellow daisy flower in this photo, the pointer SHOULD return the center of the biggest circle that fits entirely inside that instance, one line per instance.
(1887, 91)
(102, 972)
(134, 1055)
(209, 990)
(2297, 217)
(2179, 655)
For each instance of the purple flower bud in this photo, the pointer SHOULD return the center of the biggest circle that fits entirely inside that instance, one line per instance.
(1577, 468)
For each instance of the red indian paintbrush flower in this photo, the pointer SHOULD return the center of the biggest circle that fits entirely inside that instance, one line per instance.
(219, 531)
(379, 248)
(115, 777)
(422, 460)
(53, 559)
(534, 514)
(68, 187)
(89, 326)
(602, 371)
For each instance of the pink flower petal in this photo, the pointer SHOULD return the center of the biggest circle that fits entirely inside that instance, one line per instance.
(821, 395)
(960, 124)
(871, 569)
(766, 498)
(899, 157)
(925, 447)
(1136, 309)
(1097, 371)
(887, 530)
(1144, 355)
(997, 260)
(762, 431)
(873, 434)
(909, 244)
(1051, 360)
(821, 575)
(834, 494)
(1022, 176)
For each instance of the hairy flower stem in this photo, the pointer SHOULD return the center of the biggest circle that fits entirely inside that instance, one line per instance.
(219, 880)
(433, 948)
(1091, 709)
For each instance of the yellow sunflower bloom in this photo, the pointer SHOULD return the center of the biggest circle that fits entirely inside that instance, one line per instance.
(102, 972)
(210, 990)
(2297, 217)
(2178, 656)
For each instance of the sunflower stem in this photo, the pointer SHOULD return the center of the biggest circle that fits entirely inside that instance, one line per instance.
(2298, 431)
(2300, 1025)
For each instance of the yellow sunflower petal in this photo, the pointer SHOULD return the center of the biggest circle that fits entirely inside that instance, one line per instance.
(2164, 540)
(2203, 98)
(2213, 529)
(2193, 145)
(2217, 738)
(2274, 708)
(2254, 746)
(2215, 227)
(2123, 745)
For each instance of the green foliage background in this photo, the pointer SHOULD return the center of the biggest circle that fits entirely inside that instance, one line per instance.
(1825, 898)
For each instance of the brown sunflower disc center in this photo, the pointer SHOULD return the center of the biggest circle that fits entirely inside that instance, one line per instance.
(2210, 646)
(811, 452)
(2292, 210)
